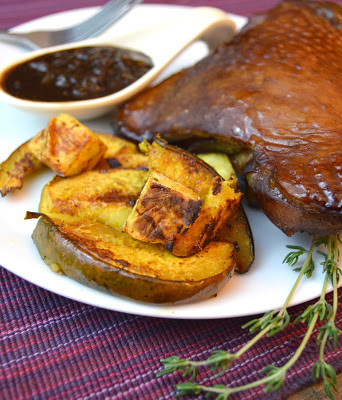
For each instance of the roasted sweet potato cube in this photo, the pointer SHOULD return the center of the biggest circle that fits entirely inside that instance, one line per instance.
(67, 146)
(164, 210)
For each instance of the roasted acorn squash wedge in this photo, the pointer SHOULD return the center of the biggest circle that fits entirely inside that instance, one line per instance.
(120, 154)
(17, 166)
(218, 198)
(103, 258)
(237, 231)
(163, 212)
(106, 196)
(67, 146)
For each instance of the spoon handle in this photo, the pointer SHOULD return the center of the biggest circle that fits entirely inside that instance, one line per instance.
(208, 24)
(164, 41)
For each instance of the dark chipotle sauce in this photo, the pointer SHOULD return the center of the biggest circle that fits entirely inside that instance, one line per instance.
(76, 74)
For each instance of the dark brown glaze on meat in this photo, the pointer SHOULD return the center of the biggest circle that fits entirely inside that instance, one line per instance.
(274, 92)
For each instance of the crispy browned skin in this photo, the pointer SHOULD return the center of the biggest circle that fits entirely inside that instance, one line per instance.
(274, 92)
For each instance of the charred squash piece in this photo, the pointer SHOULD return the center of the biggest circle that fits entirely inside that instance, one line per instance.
(218, 199)
(222, 165)
(217, 206)
(238, 232)
(67, 146)
(237, 229)
(120, 153)
(101, 257)
(273, 94)
(164, 210)
(103, 196)
(22, 162)
(179, 165)
(18, 165)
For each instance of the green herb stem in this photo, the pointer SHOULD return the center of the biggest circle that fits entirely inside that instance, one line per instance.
(279, 374)
(306, 263)
(334, 280)
(271, 323)
(311, 326)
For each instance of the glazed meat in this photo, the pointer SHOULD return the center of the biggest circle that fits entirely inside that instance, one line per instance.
(274, 96)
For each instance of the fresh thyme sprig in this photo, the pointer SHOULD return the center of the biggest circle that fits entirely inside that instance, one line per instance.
(292, 258)
(270, 324)
(329, 331)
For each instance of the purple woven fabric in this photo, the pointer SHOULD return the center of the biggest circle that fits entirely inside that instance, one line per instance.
(55, 348)
(15, 12)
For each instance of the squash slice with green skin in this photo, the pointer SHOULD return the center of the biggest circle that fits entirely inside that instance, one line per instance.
(106, 259)
(106, 196)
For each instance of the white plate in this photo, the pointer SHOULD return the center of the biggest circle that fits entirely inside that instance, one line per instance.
(263, 288)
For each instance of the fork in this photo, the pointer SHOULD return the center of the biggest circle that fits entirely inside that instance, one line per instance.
(109, 13)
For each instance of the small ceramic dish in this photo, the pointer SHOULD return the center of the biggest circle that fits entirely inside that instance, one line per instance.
(162, 43)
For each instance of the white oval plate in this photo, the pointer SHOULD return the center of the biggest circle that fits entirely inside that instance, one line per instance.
(263, 288)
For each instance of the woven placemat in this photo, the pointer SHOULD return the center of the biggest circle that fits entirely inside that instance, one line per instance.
(55, 348)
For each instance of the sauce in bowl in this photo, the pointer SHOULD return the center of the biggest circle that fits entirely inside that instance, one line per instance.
(49, 93)
(81, 73)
